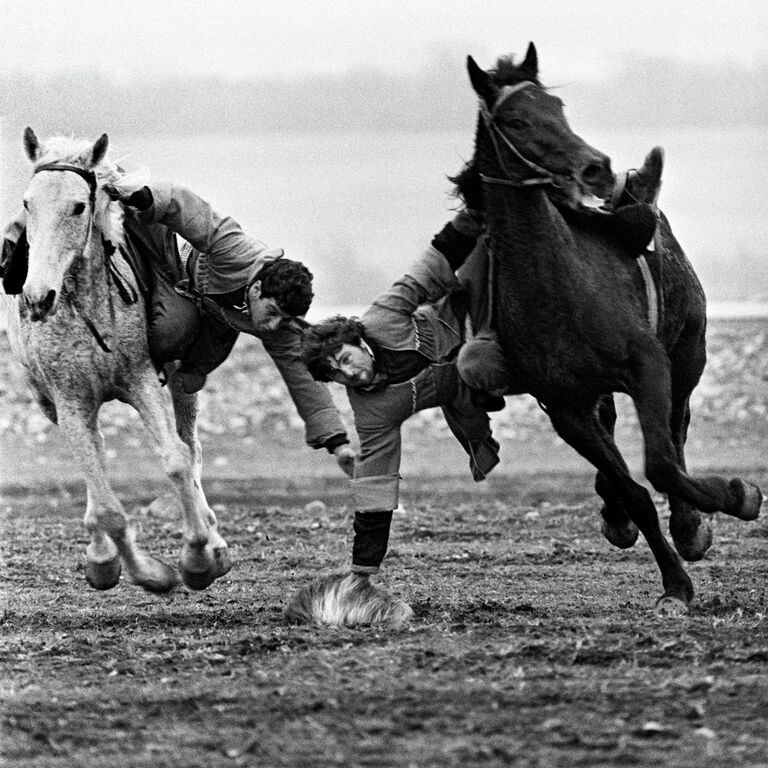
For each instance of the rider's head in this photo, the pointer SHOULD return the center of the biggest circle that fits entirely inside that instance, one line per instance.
(335, 350)
(281, 290)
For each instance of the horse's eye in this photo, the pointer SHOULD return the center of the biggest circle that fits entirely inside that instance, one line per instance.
(25, 204)
(79, 208)
(516, 124)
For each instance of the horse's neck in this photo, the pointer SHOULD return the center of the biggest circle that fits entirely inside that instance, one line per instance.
(527, 233)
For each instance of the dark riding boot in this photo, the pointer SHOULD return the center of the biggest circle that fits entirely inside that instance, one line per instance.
(641, 185)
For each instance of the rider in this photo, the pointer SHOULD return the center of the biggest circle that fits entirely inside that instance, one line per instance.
(409, 352)
(205, 289)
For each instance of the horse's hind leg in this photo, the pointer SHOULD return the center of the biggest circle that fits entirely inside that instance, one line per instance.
(204, 556)
(580, 428)
(617, 526)
(651, 393)
(111, 538)
(692, 535)
(185, 408)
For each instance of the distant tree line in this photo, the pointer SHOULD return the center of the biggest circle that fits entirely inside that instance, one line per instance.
(644, 92)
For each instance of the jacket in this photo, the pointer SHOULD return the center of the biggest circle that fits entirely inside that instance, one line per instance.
(423, 312)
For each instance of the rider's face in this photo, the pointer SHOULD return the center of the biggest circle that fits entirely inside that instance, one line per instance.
(351, 365)
(266, 315)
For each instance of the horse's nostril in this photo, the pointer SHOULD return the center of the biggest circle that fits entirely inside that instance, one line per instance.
(593, 173)
(50, 298)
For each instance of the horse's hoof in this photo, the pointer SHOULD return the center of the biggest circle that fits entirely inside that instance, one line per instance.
(668, 606)
(103, 575)
(155, 576)
(751, 499)
(202, 579)
(347, 601)
(696, 546)
(622, 537)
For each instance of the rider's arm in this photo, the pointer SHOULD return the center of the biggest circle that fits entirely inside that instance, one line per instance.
(432, 276)
(323, 425)
(186, 213)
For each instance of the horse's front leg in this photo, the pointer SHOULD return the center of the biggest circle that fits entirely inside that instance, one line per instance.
(111, 536)
(205, 555)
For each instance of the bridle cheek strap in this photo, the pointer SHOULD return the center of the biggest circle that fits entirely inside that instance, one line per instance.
(489, 118)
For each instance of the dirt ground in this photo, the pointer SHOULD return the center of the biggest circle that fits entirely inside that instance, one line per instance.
(534, 642)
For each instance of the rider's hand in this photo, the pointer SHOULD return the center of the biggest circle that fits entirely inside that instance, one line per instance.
(345, 458)
(141, 199)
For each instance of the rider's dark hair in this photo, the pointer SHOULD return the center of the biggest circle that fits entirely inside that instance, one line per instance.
(289, 283)
(324, 339)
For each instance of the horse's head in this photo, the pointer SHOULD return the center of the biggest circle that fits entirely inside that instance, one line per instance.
(524, 139)
(63, 205)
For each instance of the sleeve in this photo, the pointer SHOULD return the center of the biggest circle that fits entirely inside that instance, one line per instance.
(433, 275)
(187, 214)
(323, 425)
(457, 239)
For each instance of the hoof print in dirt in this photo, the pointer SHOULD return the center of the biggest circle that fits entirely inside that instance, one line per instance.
(347, 601)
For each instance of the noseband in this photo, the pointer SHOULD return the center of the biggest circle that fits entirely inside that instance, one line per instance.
(495, 132)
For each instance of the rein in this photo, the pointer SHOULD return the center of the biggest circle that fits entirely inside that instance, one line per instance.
(127, 292)
(655, 307)
(654, 302)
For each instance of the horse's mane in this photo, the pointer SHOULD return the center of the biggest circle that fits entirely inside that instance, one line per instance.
(506, 72)
(108, 214)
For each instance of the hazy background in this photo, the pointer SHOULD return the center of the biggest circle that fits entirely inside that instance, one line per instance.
(329, 128)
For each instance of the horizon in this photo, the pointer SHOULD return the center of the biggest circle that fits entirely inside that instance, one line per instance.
(242, 40)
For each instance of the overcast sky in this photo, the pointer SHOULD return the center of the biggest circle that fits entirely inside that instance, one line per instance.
(235, 38)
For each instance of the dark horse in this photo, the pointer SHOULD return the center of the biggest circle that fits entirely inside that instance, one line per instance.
(572, 312)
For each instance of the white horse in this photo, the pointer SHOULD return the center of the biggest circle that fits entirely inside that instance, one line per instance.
(79, 329)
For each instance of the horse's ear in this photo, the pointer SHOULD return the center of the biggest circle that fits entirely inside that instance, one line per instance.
(481, 81)
(530, 65)
(31, 144)
(99, 149)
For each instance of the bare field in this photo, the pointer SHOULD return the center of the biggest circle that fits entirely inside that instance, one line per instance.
(534, 642)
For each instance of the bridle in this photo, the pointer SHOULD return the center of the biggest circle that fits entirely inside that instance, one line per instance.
(545, 177)
(89, 176)
(126, 290)
(655, 307)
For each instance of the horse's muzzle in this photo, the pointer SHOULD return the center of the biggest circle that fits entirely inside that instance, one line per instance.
(596, 175)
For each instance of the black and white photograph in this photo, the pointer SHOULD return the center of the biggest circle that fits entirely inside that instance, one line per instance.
(383, 384)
